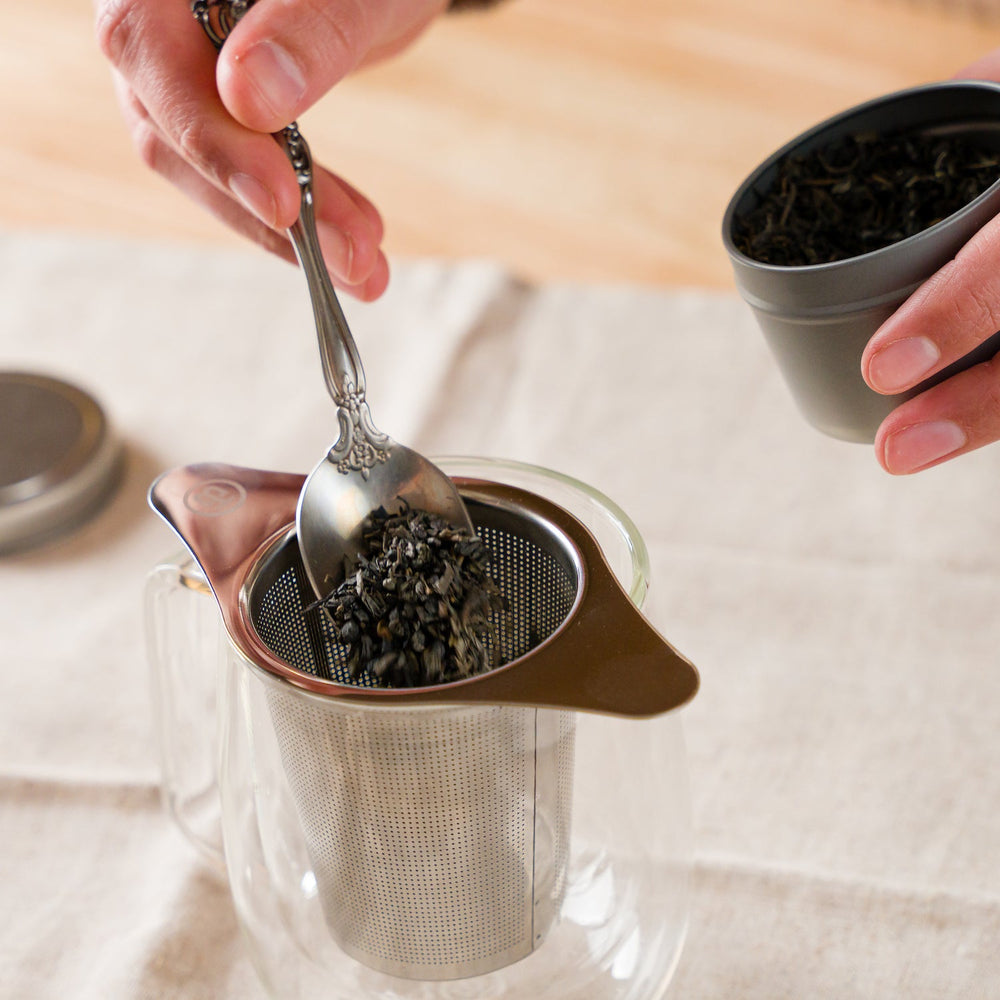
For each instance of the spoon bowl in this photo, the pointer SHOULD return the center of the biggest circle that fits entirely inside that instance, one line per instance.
(333, 507)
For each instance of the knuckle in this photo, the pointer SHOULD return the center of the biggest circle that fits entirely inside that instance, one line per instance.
(978, 310)
(344, 30)
(148, 145)
(189, 138)
(193, 140)
(973, 283)
(966, 296)
(197, 142)
(146, 138)
(132, 108)
(114, 28)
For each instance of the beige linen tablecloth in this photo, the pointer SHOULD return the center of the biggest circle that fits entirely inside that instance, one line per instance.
(844, 747)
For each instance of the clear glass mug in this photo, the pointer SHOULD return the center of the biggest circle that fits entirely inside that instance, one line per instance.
(535, 853)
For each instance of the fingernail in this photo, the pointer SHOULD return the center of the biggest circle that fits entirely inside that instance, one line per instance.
(254, 196)
(916, 446)
(277, 78)
(902, 364)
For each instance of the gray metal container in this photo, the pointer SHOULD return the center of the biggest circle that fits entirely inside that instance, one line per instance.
(817, 319)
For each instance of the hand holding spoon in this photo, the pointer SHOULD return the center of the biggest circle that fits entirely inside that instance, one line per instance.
(365, 469)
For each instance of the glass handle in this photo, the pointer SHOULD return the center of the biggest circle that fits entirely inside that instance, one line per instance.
(186, 646)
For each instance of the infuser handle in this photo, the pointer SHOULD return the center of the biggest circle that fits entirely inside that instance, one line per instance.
(222, 513)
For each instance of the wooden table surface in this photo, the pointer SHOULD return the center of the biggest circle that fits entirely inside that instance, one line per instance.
(592, 140)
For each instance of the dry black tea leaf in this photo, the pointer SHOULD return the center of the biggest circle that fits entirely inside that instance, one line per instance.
(418, 607)
(861, 193)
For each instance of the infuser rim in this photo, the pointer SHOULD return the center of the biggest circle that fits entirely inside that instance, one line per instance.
(609, 659)
(457, 467)
(260, 656)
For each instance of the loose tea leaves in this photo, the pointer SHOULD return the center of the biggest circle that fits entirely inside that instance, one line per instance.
(418, 607)
(861, 193)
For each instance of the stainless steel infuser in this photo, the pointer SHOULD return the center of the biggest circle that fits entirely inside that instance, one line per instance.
(437, 819)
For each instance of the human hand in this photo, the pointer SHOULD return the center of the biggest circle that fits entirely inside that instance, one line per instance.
(203, 120)
(944, 319)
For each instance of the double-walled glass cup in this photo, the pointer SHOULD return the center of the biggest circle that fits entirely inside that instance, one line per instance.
(429, 851)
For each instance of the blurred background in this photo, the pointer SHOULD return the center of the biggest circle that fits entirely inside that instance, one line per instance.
(843, 749)
(597, 140)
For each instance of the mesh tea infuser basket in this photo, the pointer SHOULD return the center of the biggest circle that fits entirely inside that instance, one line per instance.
(437, 819)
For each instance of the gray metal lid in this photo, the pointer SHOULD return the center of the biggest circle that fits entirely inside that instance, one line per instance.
(59, 460)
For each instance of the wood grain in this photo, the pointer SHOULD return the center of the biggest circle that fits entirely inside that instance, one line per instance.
(593, 140)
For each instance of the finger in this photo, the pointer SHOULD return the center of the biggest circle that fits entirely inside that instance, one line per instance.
(349, 228)
(366, 283)
(348, 225)
(160, 156)
(170, 66)
(374, 285)
(362, 274)
(943, 422)
(369, 213)
(284, 55)
(363, 277)
(946, 317)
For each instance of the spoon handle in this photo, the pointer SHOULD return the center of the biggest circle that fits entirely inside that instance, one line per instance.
(342, 369)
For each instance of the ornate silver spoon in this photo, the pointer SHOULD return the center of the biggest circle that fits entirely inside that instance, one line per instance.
(365, 469)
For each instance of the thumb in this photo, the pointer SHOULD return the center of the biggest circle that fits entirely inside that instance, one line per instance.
(284, 55)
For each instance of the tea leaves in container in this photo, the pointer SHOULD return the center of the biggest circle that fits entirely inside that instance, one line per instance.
(418, 606)
(860, 193)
